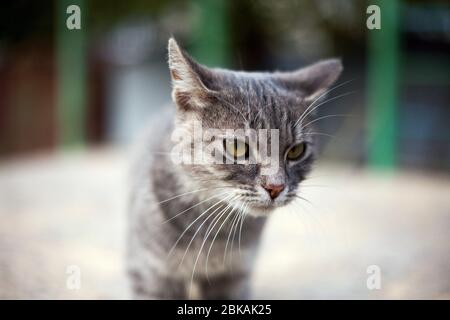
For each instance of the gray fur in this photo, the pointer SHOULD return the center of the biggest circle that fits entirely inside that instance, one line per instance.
(220, 99)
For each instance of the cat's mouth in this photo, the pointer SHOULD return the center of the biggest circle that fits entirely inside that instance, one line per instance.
(264, 200)
(269, 205)
(262, 209)
(265, 207)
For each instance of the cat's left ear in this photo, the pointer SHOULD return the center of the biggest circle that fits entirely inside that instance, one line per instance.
(313, 80)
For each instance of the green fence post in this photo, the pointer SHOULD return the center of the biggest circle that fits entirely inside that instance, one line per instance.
(70, 75)
(383, 50)
(211, 33)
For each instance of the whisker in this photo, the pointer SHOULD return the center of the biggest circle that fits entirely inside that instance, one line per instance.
(230, 251)
(235, 218)
(195, 205)
(319, 134)
(322, 231)
(201, 225)
(304, 199)
(204, 241)
(319, 97)
(193, 222)
(233, 230)
(240, 228)
(325, 117)
(320, 104)
(209, 227)
(214, 238)
(186, 193)
(297, 211)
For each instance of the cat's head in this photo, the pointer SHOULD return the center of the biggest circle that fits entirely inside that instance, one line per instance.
(217, 99)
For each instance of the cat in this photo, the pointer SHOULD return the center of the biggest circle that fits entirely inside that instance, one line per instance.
(194, 229)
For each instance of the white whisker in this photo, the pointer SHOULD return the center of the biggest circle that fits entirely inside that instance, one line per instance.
(325, 117)
(192, 223)
(214, 238)
(195, 205)
(204, 241)
(186, 193)
(318, 134)
(235, 218)
(233, 237)
(320, 104)
(319, 97)
(240, 228)
(200, 227)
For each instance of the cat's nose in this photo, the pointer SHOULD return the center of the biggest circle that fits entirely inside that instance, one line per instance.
(274, 189)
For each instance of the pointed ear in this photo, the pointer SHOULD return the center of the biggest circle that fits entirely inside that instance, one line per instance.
(188, 89)
(312, 80)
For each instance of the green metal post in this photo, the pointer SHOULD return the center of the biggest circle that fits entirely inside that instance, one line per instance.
(382, 88)
(211, 33)
(71, 75)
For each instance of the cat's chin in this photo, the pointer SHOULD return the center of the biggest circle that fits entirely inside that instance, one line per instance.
(263, 210)
(260, 211)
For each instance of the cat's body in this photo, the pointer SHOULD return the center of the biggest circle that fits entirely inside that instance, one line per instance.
(154, 273)
(194, 228)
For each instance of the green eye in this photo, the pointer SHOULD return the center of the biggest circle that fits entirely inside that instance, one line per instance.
(296, 151)
(236, 148)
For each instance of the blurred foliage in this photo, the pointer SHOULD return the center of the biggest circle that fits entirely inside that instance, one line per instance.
(24, 19)
(20, 19)
(240, 34)
(104, 13)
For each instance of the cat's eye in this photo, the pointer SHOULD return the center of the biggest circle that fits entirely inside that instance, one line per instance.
(235, 148)
(296, 152)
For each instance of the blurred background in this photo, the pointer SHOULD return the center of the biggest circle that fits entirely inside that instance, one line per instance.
(72, 102)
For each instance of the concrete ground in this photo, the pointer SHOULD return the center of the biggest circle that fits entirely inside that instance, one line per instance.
(69, 210)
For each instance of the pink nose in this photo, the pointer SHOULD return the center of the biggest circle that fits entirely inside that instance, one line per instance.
(274, 189)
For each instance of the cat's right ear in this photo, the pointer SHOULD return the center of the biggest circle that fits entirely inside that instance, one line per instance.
(188, 89)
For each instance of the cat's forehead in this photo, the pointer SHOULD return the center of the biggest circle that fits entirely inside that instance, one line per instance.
(254, 101)
(258, 89)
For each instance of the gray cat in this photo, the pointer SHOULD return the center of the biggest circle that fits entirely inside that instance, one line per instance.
(194, 228)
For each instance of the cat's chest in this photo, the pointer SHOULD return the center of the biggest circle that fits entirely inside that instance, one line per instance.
(208, 258)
